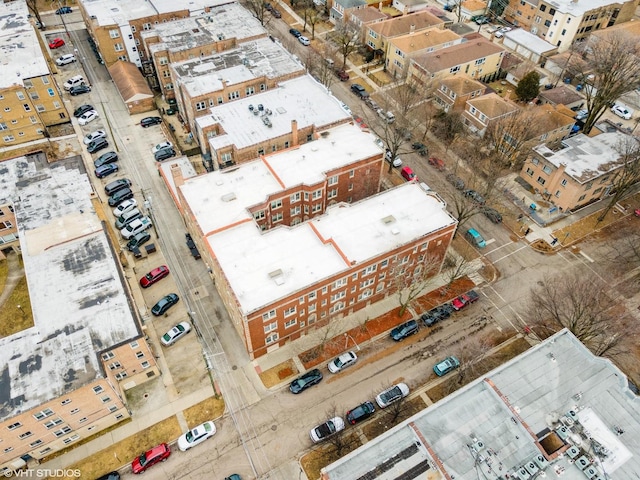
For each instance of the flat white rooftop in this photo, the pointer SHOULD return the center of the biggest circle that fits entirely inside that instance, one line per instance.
(252, 59)
(557, 393)
(302, 99)
(530, 41)
(346, 235)
(20, 53)
(77, 298)
(586, 157)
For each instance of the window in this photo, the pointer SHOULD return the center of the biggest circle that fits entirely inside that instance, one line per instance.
(46, 450)
(296, 210)
(316, 208)
(339, 283)
(82, 420)
(249, 91)
(201, 106)
(546, 169)
(563, 182)
(276, 217)
(535, 161)
(269, 315)
(36, 443)
(543, 8)
(43, 414)
(118, 47)
(146, 26)
(271, 327)
(145, 364)
(114, 33)
(367, 283)
(547, 23)
(552, 11)
(480, 61)
(564, 30)
(72, 438)
(52, 423)
(113, 408)
(163, 61)
(20, 95)
(74, 411)
(316, 194)
(233, 95)
(295, 197)
(115, 365)
(597, 191)
(312, 307)
(107, 356)
(119, 416)
(332, 193)
(259, 215)
(338, 296)
(276, 204)
(333, 180)
(369, 270)
(24, 435)
(588, 186)
(541, 181)
(63, 431)
(290, 311)
(384, 263)
(7, 450)
(27, 107)
(121, 375)
(13, 426)
(558, 193)
(106, 399)
(271, 338)
(139, 354)
(290, 323)
(9, 138)
(65, 402)
(98, 389)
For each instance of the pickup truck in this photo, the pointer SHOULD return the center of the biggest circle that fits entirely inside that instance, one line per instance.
(137, 226)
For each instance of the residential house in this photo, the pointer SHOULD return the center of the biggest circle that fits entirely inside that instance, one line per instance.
(405, 7)
(132, 87)
(528, 46)
(472, 8)
(452, 93)
(377, 35)
(582, 171)
(341, 9)
(516, 73)
(480, 112)
(363, 17)
(402, 49)
(562, 95)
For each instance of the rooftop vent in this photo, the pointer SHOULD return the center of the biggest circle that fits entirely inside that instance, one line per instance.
(540, 461)
(583, 462)
(228, 197)
(573, 451)
(532, 468)
(277, 276)
(395, 231)
(325, 134)
(389, 219)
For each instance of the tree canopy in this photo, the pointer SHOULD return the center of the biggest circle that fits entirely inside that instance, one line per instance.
(528, 87)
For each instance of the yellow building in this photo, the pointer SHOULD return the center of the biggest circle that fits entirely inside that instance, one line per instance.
(377, 35)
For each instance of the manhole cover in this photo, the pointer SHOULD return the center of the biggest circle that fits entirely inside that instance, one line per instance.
(274, 427)
(146, 395)
(235, 367)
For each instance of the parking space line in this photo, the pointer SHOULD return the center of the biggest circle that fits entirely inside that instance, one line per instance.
(509, 254)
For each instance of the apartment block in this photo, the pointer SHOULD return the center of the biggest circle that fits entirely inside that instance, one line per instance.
(317, 242)
(480, 112)
(30, 101)
(453, 92)
(8, 227)
(580, 172)
(562, 22)
(377, 35)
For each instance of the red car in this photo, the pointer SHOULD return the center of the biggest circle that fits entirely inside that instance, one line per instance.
(56, 43)
(436, 162)
(154, 276)
(408, 174)
(150, 458)
(465, 299)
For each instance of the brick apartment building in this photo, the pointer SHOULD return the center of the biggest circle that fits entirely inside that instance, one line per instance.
(8, 228)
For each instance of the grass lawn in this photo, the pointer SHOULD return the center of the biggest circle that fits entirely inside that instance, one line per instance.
(12, 318)
(209, 409)
(279, 373)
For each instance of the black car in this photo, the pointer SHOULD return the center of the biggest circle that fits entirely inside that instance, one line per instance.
(294, 32)
(420, 147)
(276, 13)
(474, 196)
(137, 240)
(403, 331)
(150, 121)
(455, 181)
(120, 196)
(164, 153)
(164, 304)
(359, 91)
(97, 145)
(106, 170)
(78, 112)
(305, 381)
(62, 11)
(437, 314)
(109, 157)
(110, 476)
(360, 413)
(79, 89)
(492, 214)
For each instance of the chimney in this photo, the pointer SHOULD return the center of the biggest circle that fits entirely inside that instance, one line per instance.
(380, 6)
(294, 133)
(176, 173)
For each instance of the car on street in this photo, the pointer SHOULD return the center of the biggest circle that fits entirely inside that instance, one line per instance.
(436, 162)
(175, 334)
(113, 187)
(82, 109)
(408, 174)
(136, 226)
(445, 366)
(474, 237)
(397, 161)
(392, 395)
(110, 476)
(79, 90)
(312, 377)
(420, 148)
(437, 314)
(56, 43)
(196, 436)
(106, 170)
(276, 13)
(341, 74)
(326, 429)
(295, 33)
(405, 330)
(164, 153)
(120, 196)
(457, 182)
(97, 145)
(137, 240)
(150, 121)
(87, 117)
(343, 361)
(149, 458)
(125, 207)
(622, 111)
(109, 157)
(65, 59)
(154, 276)
(465, 299)
(164, 304)
(63, 10)
(359, 90)
(360, 413)
(304, 40)
(233, 476)
(161, 146)
(492, 214)
(474, 196)
(90, 137)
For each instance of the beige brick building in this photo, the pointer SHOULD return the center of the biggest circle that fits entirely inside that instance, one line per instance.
(480, 112)
(452, 93)
(377, 35)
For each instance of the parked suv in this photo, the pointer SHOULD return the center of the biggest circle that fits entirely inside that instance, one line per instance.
(305, 381)
(359, 91)
(73, 82)
(97, 145)
(120, 196)
(164, 153)
(360, 413)
(109, 157)
(113, 187)
(405, 330)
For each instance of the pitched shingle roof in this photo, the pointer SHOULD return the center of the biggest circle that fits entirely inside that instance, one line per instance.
(416, 41)
(457, 55)
(462, 84)
(492, 105)
(402, 25)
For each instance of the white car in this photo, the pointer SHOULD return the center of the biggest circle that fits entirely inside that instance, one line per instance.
(304, 40)
(87, 117)
(125, 206)
(196, 436)
(90, 137)
(175, 334)
(622, 111)
(137, 226)
(397, 162)
(65, 59)
(326, 429)
(162, 145)
(392, 395)
(343, 361)
(582, 114)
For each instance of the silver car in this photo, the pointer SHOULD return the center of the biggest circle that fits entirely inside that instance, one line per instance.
(343, 361)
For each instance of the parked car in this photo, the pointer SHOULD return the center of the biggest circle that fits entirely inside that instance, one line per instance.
(85, 118)
(154, 276)
(342, 75)
(137, 240)
(63, 10)
(164, 304)
(480, 19)
(125, 207)
(408, 174)
(437, 314)
(465, 299)
(420, 147)
(97, 145)
(276, 13)
(392, 395)
(436, 162)
(474, 196)
(360, 413)
(447, 365)
(79, 90)
(622, 111)
(359, 90)
(119, 197)
(74, 81)
(136, 226)
(294, 32)
(110, 476)
(326, 429)
(405, 330)
(457, 182)
(90, 137)
(56, 43)
(304, 40)
(196, 436)
(343, 361)
(82, 109)
(582, 114)
(233, 476)
(150, 121)
(127, 217)
(474, 237)
(113, 187)
(109, 157)
(106, 170)
(175, 334)
(492, 214)
(150, 458)
(161, 146)
(397, 161)
(65, 59)
(164, 154)
(305, 381)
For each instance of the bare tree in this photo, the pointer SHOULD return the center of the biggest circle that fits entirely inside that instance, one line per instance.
(413, 280)
(319, 63)
(627, 176)
(339, 440)
(259, 10)
(454, 267)
(32, 5)
(581, 303)
(345, 36)
(609, 66)
(313, 16)
(448, 127)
